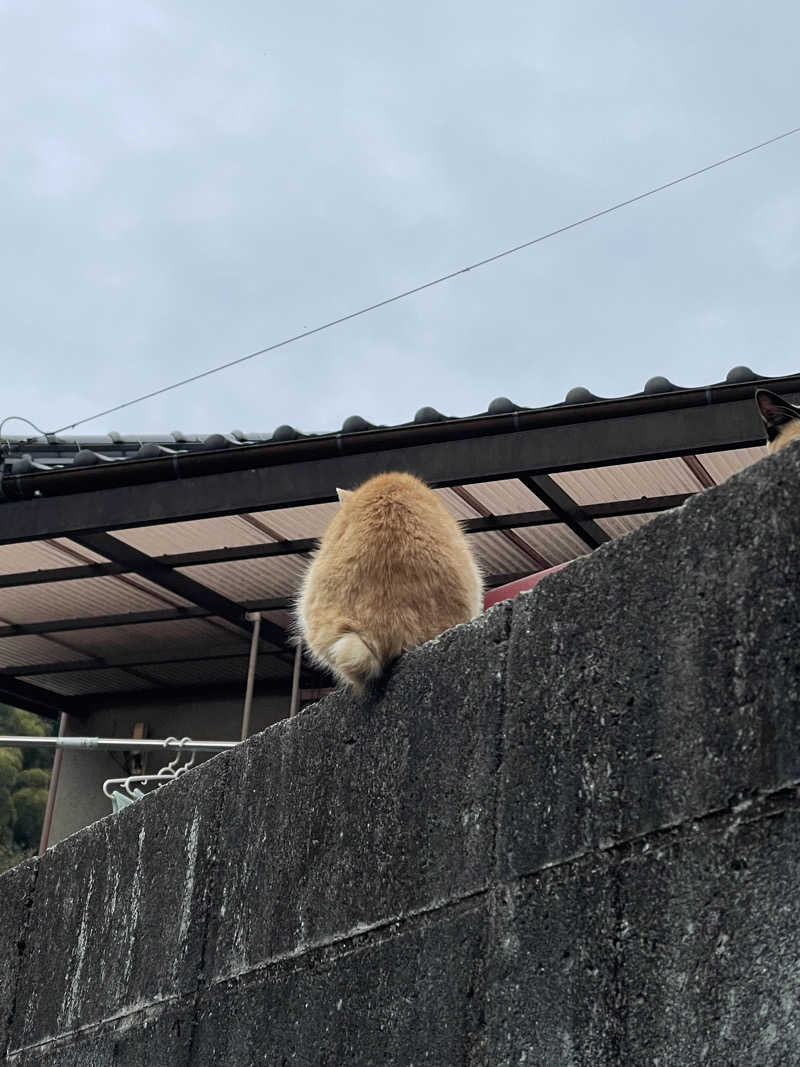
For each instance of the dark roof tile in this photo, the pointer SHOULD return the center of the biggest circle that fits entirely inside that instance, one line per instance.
(659, 385)
(428, 414)
(742, 374)
(501, 405)
(579, 395)
(286, 433)
(354, 423)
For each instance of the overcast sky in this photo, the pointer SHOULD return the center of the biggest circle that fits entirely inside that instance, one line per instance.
(183, 183)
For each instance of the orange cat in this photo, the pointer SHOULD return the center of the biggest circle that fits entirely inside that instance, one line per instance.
(393, 570)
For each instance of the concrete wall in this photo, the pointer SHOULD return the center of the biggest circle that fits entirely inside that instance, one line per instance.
(568, 833)
(79, 796)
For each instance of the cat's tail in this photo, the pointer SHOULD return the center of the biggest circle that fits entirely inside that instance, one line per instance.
(355, 660)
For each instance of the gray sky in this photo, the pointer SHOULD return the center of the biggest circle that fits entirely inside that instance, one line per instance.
(183, 183)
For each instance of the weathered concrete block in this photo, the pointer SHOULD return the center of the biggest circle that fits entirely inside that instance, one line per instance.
(93, 1050)
(404, 998)
(358, 813)
(646, 682)
(141, 1040)
(120, 913)
(679, 950)
(16, 892)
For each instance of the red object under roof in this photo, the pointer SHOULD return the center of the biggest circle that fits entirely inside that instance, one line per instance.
(509, 591)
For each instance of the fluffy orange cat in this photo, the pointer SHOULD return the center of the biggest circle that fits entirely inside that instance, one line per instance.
(393, 570)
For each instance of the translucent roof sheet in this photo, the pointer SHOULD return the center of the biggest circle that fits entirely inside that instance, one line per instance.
(721, 465)
(210, 650)
(79, 598)
(628, 481)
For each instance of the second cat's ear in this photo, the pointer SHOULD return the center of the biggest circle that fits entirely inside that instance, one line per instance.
(343, 494)
(775, 411)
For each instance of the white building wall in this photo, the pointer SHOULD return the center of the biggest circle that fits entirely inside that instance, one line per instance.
(79, 796)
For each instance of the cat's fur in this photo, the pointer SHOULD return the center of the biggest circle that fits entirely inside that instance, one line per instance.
(393, 570)
(781, 419)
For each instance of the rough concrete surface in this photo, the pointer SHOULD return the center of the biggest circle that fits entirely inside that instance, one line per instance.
(677, 950)
(120, 911)
(659, 677)
(360, 812)
(403, 998)
(566, 833)
(144, 1039)
(16, 893)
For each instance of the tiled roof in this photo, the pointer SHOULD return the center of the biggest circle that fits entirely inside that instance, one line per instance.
(23, 455)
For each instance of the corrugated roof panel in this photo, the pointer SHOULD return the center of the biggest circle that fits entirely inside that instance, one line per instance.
(721, 465)
(624, 524)
(225, 531)
(497, 555)
(76, 554)
(165, 597)
(506, 496)
(294, 523)
(628, 481)
(251, 579)
(32, 556)
(455, 505)
(79, 598)
(183, 637)
(556, 542)
(28, 649)
(80, 683)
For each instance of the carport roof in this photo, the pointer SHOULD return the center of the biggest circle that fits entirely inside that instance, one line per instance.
(128, 575)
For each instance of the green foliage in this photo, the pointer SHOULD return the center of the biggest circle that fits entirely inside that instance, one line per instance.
(16, 721)
(29, 804)
(24, 784)
(10, 767)
(8, 816)
(36, 777)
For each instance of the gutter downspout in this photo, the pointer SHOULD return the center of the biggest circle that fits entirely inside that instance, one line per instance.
(255, 618)
(51, 793)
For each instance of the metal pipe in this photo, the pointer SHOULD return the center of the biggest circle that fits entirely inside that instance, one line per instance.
(298, 660)
(112, 744)
(51, 792)
(255, 618)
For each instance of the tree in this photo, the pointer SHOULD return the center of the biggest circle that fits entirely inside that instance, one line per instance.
(10, 767)
(29, 805)
(36, 777)
(24, 785)
(16, 721)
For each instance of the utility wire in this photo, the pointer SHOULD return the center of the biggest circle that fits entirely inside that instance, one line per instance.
(435, 281)
(19, 418)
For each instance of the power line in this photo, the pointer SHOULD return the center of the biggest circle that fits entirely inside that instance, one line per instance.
(19, 418)
(435, 281)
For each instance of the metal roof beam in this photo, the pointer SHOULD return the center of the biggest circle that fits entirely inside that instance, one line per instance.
(567, 509)
(37, 699)
(167, 578)
(162, 698)
(123, 663)
(95, 622)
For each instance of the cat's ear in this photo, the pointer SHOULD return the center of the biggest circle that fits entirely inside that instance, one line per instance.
(343, 494)
(775, 412)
